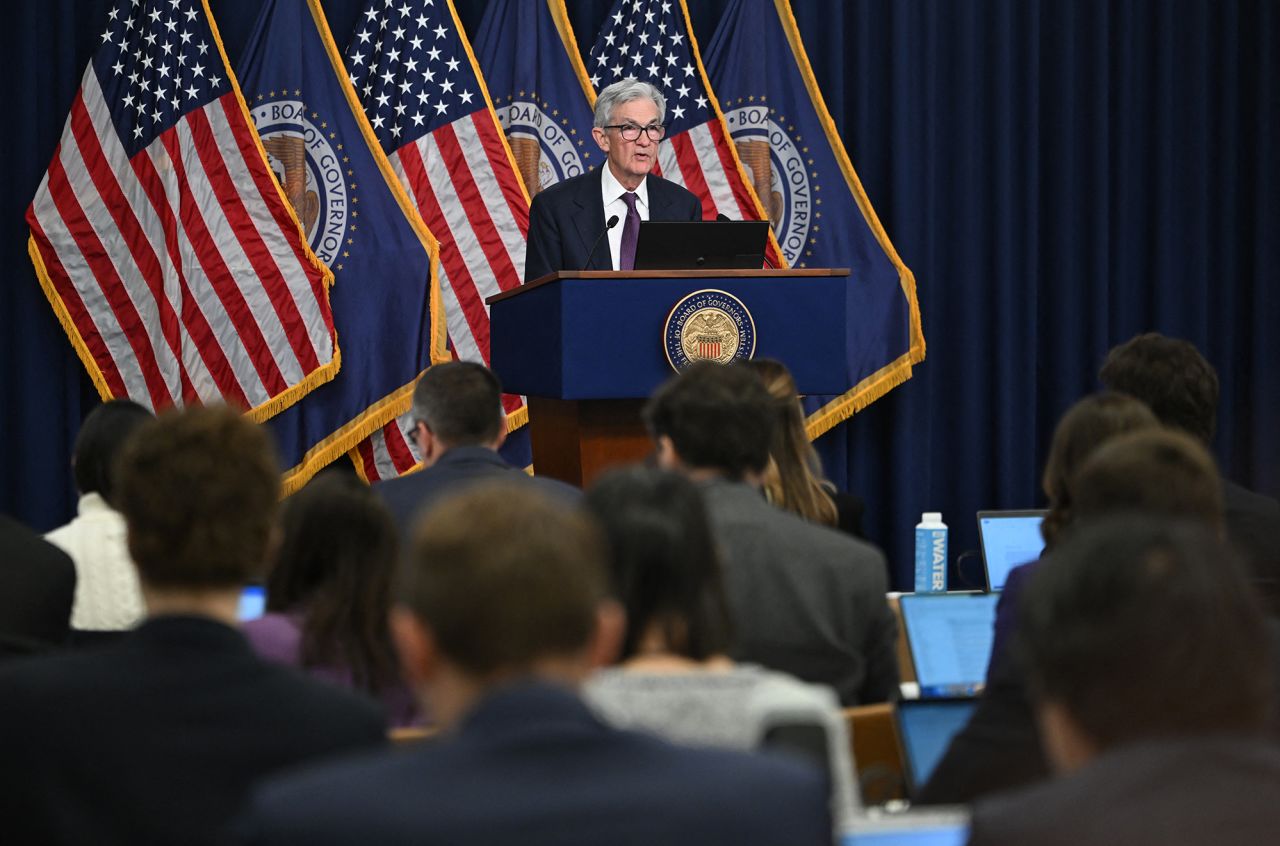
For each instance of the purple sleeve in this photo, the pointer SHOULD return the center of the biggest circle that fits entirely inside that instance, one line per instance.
(1007, 612)
(275, 637)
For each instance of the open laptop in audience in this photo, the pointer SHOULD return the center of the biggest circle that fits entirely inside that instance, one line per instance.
(931, 827)
(950, 637)
(925, 729)
(252, 604)
(1008, 539)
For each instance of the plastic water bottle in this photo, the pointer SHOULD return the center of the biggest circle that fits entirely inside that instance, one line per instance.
(931, 554)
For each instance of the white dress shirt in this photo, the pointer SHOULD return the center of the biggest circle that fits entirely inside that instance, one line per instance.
(108, 596)
(611, 191)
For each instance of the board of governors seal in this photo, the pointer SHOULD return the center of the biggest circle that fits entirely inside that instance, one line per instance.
(709, 325)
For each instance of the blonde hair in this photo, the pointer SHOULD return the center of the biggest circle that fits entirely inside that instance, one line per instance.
(793, 479)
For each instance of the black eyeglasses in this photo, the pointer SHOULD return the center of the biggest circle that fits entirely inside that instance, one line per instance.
(411, 432)
(631, 132)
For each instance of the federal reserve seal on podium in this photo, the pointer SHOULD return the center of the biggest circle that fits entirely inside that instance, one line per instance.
(709, 325)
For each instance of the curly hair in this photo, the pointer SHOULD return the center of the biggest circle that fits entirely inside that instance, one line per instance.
(1170, 376)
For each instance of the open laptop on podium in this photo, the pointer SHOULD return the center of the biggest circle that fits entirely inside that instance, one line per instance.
(701, 244)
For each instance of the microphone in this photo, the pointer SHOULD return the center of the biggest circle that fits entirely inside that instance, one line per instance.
(612, 222)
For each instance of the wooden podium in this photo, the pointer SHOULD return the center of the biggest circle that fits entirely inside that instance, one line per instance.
(587, 349)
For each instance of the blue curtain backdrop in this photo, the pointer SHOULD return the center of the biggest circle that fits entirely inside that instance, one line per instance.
(1058, 175)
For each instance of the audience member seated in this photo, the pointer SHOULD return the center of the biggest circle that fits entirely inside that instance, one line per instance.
(156, 737)
(674, 676)
(809, 600)
(504, 615)
(1181, 387)
(37, 586)
(108, 597)
(794, 481)
(458, 426)
(329, 593)
(1151, 471)
(1087, 425)
(1147, 660)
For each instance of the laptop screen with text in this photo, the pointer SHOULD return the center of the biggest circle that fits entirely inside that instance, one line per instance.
(950, 636)
(1008, 538)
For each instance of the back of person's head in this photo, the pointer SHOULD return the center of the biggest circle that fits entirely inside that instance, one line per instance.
(198, 489)
(1141, 628)
(793, 479)
(1161, 472)
(1085, 427)
(334, 566)
(101, 435)
(717, 417)
(1169, 375)
(504, 579)
(461, 403)
(665, 567)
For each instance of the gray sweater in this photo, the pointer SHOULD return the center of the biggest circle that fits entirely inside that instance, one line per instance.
(732, 709)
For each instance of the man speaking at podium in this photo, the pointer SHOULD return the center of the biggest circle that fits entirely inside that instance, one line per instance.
(591, 222)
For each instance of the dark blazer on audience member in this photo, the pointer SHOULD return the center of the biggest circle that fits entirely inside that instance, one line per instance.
(37, 587)
(567, 218)
(456, 470)
(998, 749)
(1253, 525)
(157, 737)
(805, 599)
(532, 765)
(1197, 792)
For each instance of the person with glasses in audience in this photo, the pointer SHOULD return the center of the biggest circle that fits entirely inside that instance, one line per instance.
(458, 426)
(591, 221)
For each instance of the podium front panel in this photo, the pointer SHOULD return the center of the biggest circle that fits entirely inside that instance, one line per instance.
(602, 337)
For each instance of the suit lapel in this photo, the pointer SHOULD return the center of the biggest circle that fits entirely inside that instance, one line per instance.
(590, 223)
(659, 199)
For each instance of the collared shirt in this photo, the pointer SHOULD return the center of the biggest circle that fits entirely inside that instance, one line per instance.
(108, 595)
(611, 191)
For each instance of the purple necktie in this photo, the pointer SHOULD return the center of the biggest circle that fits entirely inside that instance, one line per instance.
(630, 232)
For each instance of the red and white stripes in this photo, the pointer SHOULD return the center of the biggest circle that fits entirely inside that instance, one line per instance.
(181, 270)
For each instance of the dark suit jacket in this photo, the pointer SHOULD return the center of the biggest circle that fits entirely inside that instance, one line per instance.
(998, 749)
(567, 218)
(1200, 792)
(805, 599)
(531, 765)
(37, 586)
(457, 469)
(157, 737)
(1253, 524)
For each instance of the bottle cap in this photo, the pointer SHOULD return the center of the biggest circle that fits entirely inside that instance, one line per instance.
(931, 517)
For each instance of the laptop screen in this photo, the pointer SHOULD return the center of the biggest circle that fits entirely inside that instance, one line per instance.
(950, 636)
(1008, 538)
(701, 244)
(912, 828)
(926, 728)
(253, 603)
(941, 834)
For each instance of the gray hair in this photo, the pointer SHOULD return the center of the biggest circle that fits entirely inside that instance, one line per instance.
(624, 91)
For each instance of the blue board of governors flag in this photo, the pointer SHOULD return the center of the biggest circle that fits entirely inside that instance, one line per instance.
(529, 56)
(358, 220)
(789, 145)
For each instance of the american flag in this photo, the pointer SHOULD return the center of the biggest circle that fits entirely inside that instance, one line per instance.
(412, 67)
(652, 40)
(161, 237)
